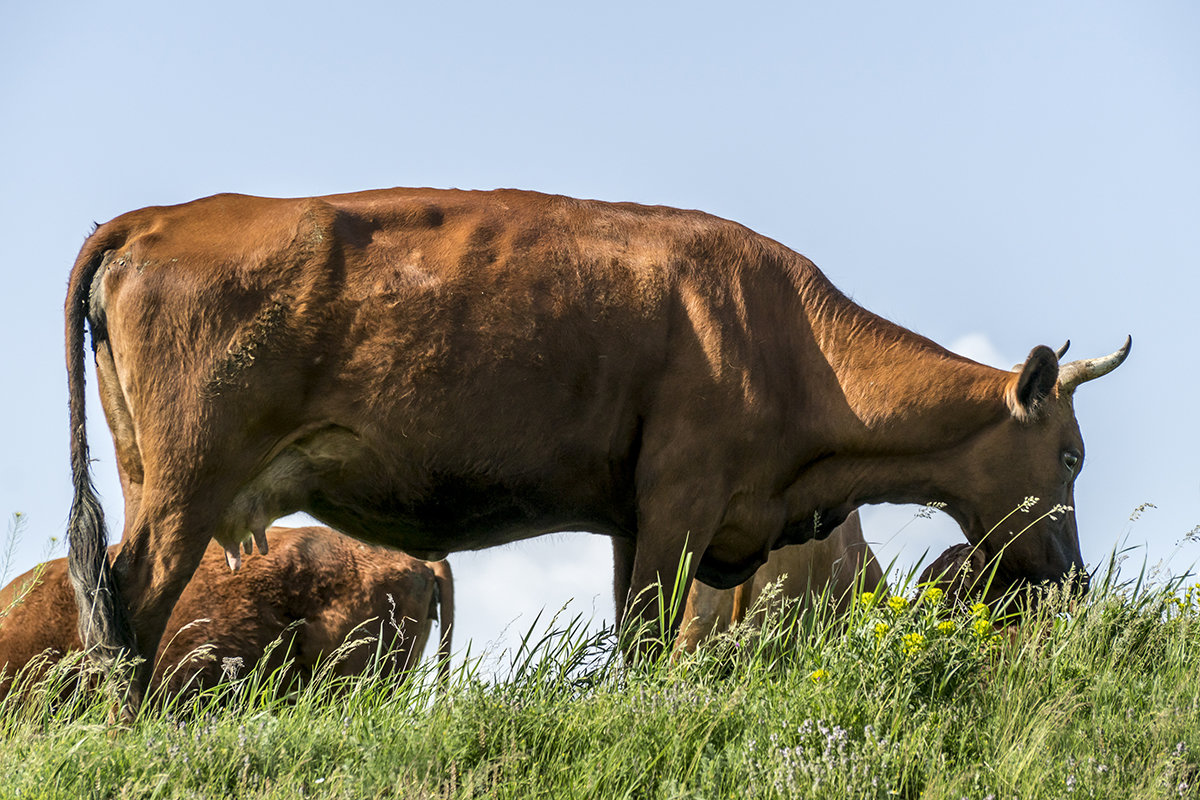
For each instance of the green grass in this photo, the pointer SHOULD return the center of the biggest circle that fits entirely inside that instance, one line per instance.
(1099, 698)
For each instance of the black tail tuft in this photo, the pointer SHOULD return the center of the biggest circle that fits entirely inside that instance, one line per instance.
(104, 622)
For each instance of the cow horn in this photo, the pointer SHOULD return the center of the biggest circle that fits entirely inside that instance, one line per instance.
(1074, 373)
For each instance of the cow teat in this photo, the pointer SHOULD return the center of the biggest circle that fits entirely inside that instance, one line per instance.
(260, 539)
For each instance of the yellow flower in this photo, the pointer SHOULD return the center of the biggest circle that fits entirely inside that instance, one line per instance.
(818, 675)
(980, 610)
(897, 603)
(913, 643)
(947, 627)
(881, 629)
(933, 595)
(867, 599)
(981, 627)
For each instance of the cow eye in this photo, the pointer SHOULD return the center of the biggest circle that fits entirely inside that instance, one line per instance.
(1070, 460)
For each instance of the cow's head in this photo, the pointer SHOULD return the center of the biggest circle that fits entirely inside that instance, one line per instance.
(1035, 451)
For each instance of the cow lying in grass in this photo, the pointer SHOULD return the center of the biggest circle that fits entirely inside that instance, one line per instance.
(838, 565)
(964, 574)
(315, 576)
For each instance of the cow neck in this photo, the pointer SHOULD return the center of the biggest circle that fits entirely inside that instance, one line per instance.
(904, 393)
(901, 402)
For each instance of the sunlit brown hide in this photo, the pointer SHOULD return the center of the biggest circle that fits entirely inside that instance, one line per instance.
(448, 370)
(326, 582)
(835, 567)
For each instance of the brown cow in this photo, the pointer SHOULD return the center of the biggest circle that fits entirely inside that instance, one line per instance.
(836, 567)
(964, 574)
(329, 582)
(447, 370)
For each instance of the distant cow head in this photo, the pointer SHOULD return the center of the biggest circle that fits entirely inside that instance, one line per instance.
(1036, 451)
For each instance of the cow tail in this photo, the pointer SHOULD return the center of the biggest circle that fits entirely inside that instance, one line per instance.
(103, 617)
(445, 584)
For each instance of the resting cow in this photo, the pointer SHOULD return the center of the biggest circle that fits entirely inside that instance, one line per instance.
(446, 370)
(329, 582)
(964, 574)
(835, 567)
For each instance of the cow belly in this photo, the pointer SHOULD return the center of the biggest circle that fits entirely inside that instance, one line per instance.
(454, 514)
(333, 476)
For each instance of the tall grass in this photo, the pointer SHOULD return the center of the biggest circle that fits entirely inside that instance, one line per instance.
(906, 697)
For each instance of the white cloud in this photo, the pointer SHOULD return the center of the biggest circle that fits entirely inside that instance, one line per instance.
(978, 347)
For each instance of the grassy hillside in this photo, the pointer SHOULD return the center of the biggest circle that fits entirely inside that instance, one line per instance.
(909, 698)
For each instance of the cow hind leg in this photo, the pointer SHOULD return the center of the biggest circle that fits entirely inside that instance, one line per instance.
(160, 551)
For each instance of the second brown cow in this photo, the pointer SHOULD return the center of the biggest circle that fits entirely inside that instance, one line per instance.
(332, 585)
(834, 567)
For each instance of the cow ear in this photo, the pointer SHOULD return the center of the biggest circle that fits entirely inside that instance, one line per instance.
(1028, 390)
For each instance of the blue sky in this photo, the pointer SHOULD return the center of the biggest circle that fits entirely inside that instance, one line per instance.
(994, 176)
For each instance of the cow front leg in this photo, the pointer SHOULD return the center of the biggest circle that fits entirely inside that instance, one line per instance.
(680, 525)
(676, 522)
(661, 578)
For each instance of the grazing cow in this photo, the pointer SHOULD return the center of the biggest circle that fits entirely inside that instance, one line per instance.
(836, 567)
(317, 576)
(447, 370)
